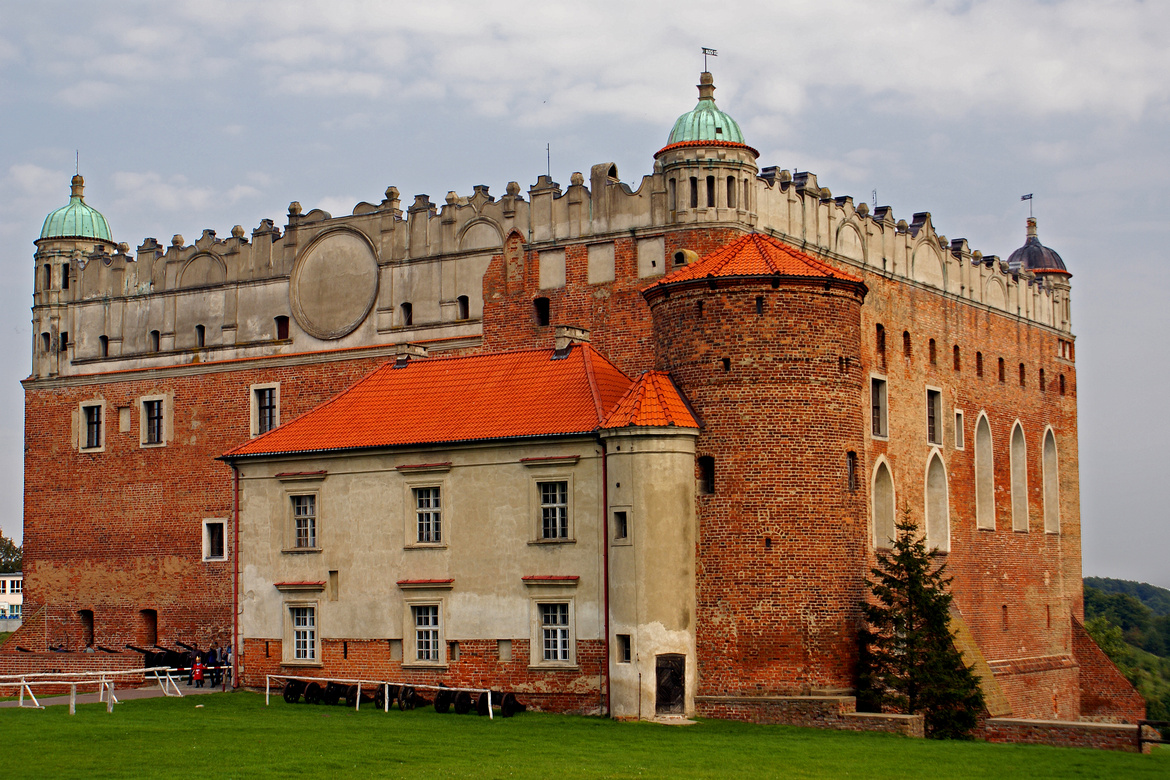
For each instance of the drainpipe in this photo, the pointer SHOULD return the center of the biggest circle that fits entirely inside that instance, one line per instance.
(605, 563)
(235, 576)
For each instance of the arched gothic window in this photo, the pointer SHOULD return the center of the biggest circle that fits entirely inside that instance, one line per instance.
(883, 506)
(1019, 480)
(938, 521)
(984, 476)
(1051, 485)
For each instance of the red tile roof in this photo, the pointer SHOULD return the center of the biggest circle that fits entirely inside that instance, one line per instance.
(475, 397)
(755, 255)
(652, 400)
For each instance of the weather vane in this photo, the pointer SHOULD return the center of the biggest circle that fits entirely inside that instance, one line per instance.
(1028, 198)
(708, 53)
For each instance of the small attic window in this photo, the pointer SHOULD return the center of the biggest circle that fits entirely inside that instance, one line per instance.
(407, 314)
(718, 131)
(281, 327)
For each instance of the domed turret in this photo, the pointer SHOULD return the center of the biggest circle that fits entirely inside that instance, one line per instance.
(705, 122)
(707, 168)
(77, 219)
(1036, 257)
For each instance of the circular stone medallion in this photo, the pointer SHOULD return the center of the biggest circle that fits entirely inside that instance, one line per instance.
(334, 284)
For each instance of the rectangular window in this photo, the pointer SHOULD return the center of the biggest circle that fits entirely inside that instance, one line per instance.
(706, 475)
(153, 413)
(428, 511)
(304, 521)
(304, 626)
(934, 416)
(265, 409)
(3, 586)
(93, 427)
(16, 586)
(426, 632)
(554, 510)
(624, 650)
(214, 540)
(14, 610)
(877, 401)
(960, 439)
(554, 623)
(620, 525)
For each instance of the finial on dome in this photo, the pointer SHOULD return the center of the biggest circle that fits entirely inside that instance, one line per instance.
(706, 86)
(77, 186)
(1032, 227)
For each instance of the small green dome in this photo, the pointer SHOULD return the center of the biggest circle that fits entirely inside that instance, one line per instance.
(705, 122)
(77, 220)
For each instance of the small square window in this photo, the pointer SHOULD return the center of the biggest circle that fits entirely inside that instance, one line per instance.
(427, 647)
(554, 622)
(624, 649)
(621, 528)
(265, 408)
(934, 420)
(304, 632)
(92, 436)
(153, 430)
(214, 540)
(879, 412)
(428, 514)
(554, 509)
(304, 521)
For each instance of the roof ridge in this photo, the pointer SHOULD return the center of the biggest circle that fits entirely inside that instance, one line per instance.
(586, 356)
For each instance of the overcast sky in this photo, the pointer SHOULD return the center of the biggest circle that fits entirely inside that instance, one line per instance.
(208, 114)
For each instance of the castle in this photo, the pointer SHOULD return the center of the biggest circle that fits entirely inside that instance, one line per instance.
(620, 450)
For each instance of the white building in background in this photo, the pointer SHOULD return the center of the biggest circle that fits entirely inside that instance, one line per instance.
(11, 600)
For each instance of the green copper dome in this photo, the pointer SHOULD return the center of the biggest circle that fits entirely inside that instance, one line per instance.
(77, 220)
(705, 122)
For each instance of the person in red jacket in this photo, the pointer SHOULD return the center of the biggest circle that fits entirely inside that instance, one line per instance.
(197, 671)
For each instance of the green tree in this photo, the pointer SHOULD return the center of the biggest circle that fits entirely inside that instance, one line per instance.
(11, 555)
(908, 661)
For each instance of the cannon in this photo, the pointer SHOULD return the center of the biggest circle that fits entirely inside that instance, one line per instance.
(381, 695)
(333, 693)
(150, 658)
(293, 690)
(409, 699)
(175, 659)
(351, 695)
(505, 701)
(443, 699)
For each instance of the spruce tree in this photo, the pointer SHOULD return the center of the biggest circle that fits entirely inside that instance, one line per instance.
(908, 661)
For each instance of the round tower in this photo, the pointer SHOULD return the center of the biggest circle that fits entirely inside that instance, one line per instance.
(74, 231)
(764, 341)
(707, 167)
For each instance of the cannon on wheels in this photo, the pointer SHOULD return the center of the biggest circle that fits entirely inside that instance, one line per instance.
(313, 693)
(409, 699)
(505, 701)
(333, 693)
(443, 699)
(293, 690)
(383, 693)
(351, 695)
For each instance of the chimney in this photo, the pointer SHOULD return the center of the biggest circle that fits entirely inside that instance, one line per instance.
(567, 335)
(403, 353)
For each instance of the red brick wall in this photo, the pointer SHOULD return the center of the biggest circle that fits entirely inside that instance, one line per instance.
(120, 531)
(782, 540)
(614, 312)
(1105, 694)
(1035, 575)
(1087, 735)
(478, 666)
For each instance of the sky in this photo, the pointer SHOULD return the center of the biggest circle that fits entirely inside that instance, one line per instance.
(195, 115)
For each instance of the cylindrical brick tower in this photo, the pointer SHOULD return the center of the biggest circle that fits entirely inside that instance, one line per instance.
(764, 341)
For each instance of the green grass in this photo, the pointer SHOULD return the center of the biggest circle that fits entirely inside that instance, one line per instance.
(234, 735)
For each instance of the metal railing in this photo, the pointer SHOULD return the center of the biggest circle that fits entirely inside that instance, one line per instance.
(1159, 727)
(104, 680)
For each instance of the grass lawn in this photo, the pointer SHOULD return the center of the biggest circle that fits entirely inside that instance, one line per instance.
(234, 735)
